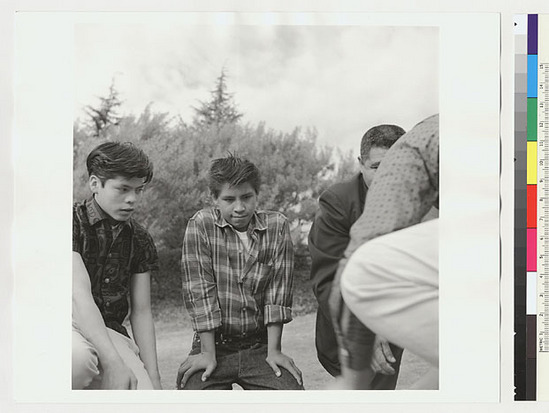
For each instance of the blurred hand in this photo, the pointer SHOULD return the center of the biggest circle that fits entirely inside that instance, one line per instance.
(382, 357)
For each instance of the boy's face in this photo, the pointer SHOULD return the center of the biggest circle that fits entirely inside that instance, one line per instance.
(237, 204)
(369, 165)
(118, 197)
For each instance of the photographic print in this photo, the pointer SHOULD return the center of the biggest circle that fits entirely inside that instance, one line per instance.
(253, 138)
(295, 100)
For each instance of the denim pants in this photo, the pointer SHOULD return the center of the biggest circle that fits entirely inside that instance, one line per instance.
(243, 366)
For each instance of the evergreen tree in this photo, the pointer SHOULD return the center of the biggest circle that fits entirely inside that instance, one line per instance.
(220, 110)
(104, 115)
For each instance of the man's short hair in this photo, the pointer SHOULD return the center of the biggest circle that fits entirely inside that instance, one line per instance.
(381, 136)
(113, 159)
(234, 171)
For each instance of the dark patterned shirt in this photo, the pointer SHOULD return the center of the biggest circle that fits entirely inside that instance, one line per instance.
(111, 258)
(236, 289)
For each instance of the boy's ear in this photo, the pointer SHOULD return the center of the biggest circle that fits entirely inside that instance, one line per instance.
(94, 182)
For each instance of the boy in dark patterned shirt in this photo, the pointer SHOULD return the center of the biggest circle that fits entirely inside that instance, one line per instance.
(237, 269)
(113, 257)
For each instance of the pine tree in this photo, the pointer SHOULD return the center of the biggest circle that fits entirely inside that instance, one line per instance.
(105, 115)
(220, 109)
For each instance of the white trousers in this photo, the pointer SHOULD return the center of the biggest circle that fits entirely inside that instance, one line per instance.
(391, 285)
(86, 369)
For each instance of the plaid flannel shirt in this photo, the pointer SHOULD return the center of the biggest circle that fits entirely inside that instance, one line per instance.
(229, 288)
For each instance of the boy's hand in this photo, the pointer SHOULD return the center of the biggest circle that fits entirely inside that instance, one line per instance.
(277, 359)
(118, 377)
(382, 356)
(202, 361)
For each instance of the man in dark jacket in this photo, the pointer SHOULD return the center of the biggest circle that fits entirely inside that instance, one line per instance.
(339, 207)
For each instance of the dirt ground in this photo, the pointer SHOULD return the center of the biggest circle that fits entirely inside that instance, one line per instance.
(174, 341)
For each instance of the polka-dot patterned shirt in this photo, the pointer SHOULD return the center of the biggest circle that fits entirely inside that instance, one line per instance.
(404, 188)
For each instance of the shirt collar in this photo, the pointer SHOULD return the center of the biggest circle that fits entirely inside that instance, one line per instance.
(96, 214)
(257, 223)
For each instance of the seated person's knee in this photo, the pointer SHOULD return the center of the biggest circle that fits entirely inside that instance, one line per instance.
(84, 365)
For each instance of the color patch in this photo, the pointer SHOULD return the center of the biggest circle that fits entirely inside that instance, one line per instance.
(532, 76)
(532, 210)
(531, 241)
(531, 163)
(532, 122)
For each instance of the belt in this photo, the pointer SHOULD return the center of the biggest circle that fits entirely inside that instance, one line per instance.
(244, 341)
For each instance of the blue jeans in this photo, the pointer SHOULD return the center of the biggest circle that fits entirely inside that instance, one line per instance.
(246, 367)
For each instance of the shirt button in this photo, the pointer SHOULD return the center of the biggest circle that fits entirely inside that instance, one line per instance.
(107, 280)
(107, 303)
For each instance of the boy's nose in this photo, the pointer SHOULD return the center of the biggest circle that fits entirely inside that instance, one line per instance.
(239, 206)
(131, 198)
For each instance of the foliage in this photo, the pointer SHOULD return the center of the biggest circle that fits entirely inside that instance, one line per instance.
(294, 168)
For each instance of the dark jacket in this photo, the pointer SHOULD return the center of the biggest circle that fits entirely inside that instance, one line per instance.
(339, 207)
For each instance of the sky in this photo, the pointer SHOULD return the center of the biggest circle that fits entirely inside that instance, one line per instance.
(339, 79)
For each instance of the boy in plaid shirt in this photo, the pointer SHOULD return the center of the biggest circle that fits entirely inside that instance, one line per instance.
(237, 267)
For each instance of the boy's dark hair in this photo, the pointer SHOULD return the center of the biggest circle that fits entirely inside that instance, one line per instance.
(112, 159)
(234, 171)
(381, 136)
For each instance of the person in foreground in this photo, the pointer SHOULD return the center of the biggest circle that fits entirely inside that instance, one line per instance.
(339, 207)
(113, 257)
(237, 267)
(390, 282)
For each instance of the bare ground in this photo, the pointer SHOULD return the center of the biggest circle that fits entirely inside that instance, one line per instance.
(174, 334)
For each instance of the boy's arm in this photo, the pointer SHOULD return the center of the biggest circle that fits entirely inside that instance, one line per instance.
(86, 315)
(275, 357)
(142, 325)
(200, 297)
(278, 302)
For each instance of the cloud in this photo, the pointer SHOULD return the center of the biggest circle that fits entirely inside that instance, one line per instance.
(339, 79)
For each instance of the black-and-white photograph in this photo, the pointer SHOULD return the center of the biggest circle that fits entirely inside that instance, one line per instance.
(255, 206)
(258, 200)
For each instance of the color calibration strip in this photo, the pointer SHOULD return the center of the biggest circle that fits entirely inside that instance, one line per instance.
(531, 207)
(522, 390)
(531, 204)
(541, 121)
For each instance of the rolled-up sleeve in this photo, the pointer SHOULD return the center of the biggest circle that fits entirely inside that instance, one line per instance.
(199, 285)
(278, 297)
